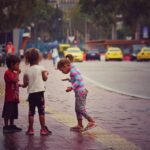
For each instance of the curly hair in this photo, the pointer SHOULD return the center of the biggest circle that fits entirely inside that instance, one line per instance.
(69, 57)
(32, 56)
(62, 63)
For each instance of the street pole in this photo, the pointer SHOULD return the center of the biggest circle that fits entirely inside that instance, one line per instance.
(86, 29)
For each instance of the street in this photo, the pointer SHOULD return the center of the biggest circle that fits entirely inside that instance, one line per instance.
(122, 120)
(131, 78)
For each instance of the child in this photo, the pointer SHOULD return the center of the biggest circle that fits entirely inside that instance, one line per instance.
(65, 66)
(10, 109)
(34, 79)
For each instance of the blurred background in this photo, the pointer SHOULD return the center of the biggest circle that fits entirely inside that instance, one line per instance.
(87, 24)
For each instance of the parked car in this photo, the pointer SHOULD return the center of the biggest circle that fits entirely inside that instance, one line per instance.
(92, 55)
(113, 53)
(135, 49)
(144, 54)
(75, 52)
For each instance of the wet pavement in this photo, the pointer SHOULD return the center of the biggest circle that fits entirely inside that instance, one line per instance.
(122, 121)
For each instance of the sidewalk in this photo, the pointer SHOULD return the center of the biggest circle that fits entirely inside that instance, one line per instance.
(61, 139)
(122, 122)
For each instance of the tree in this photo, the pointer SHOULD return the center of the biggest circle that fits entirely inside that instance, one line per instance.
(135, 14)
(13, 13)
(104, 13)
(23, 13)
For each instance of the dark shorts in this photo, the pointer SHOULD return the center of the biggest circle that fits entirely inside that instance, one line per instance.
(10, 110)
(36, 100)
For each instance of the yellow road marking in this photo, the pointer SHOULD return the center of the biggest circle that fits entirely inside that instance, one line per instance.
(98, 133)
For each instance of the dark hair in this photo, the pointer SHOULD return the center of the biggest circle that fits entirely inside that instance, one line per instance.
(32, 56)
(62, 62)
(70, 57)
(12, 60)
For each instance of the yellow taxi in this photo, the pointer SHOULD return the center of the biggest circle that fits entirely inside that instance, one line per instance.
(144, 54)
(75, 52)
(113, 53)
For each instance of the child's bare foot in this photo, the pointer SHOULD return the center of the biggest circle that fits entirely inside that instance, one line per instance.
(91, 125)
(30, 132)
(76, 128)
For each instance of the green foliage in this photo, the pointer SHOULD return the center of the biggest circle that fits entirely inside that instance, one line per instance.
(20, 13)
(104, 12)
(135, 11)
(13, 13)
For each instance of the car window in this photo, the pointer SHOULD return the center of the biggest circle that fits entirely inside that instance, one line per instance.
(93, 51)
(137, 48)
(146, 49)
(73, 50)
(114, 50)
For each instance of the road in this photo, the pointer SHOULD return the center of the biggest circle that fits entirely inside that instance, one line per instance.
(131, 78)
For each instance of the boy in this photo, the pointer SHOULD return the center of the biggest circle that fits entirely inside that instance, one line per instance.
(76, 79)
(10, 109)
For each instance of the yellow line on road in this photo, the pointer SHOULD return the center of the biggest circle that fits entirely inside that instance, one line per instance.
(98, 133)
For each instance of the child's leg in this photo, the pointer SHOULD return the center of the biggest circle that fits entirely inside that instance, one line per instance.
(41, 111)
(30, 130)
(6, 128)
(11, 121)
(80, 104)
(79, 119)
(32, 105)
(42, 121)
(14, 127)
(5, 122)
(31, 121)
(79, 126)
(31, 116)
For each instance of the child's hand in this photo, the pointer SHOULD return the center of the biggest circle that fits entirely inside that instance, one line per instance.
(19, 71)
(69, 89)
(45, 75)
(67, 79)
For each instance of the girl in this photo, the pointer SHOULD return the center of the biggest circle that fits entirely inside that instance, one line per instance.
(34, 79)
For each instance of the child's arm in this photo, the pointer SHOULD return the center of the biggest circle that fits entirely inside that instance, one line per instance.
(25, 81)
(67, 79)
(45, 75)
